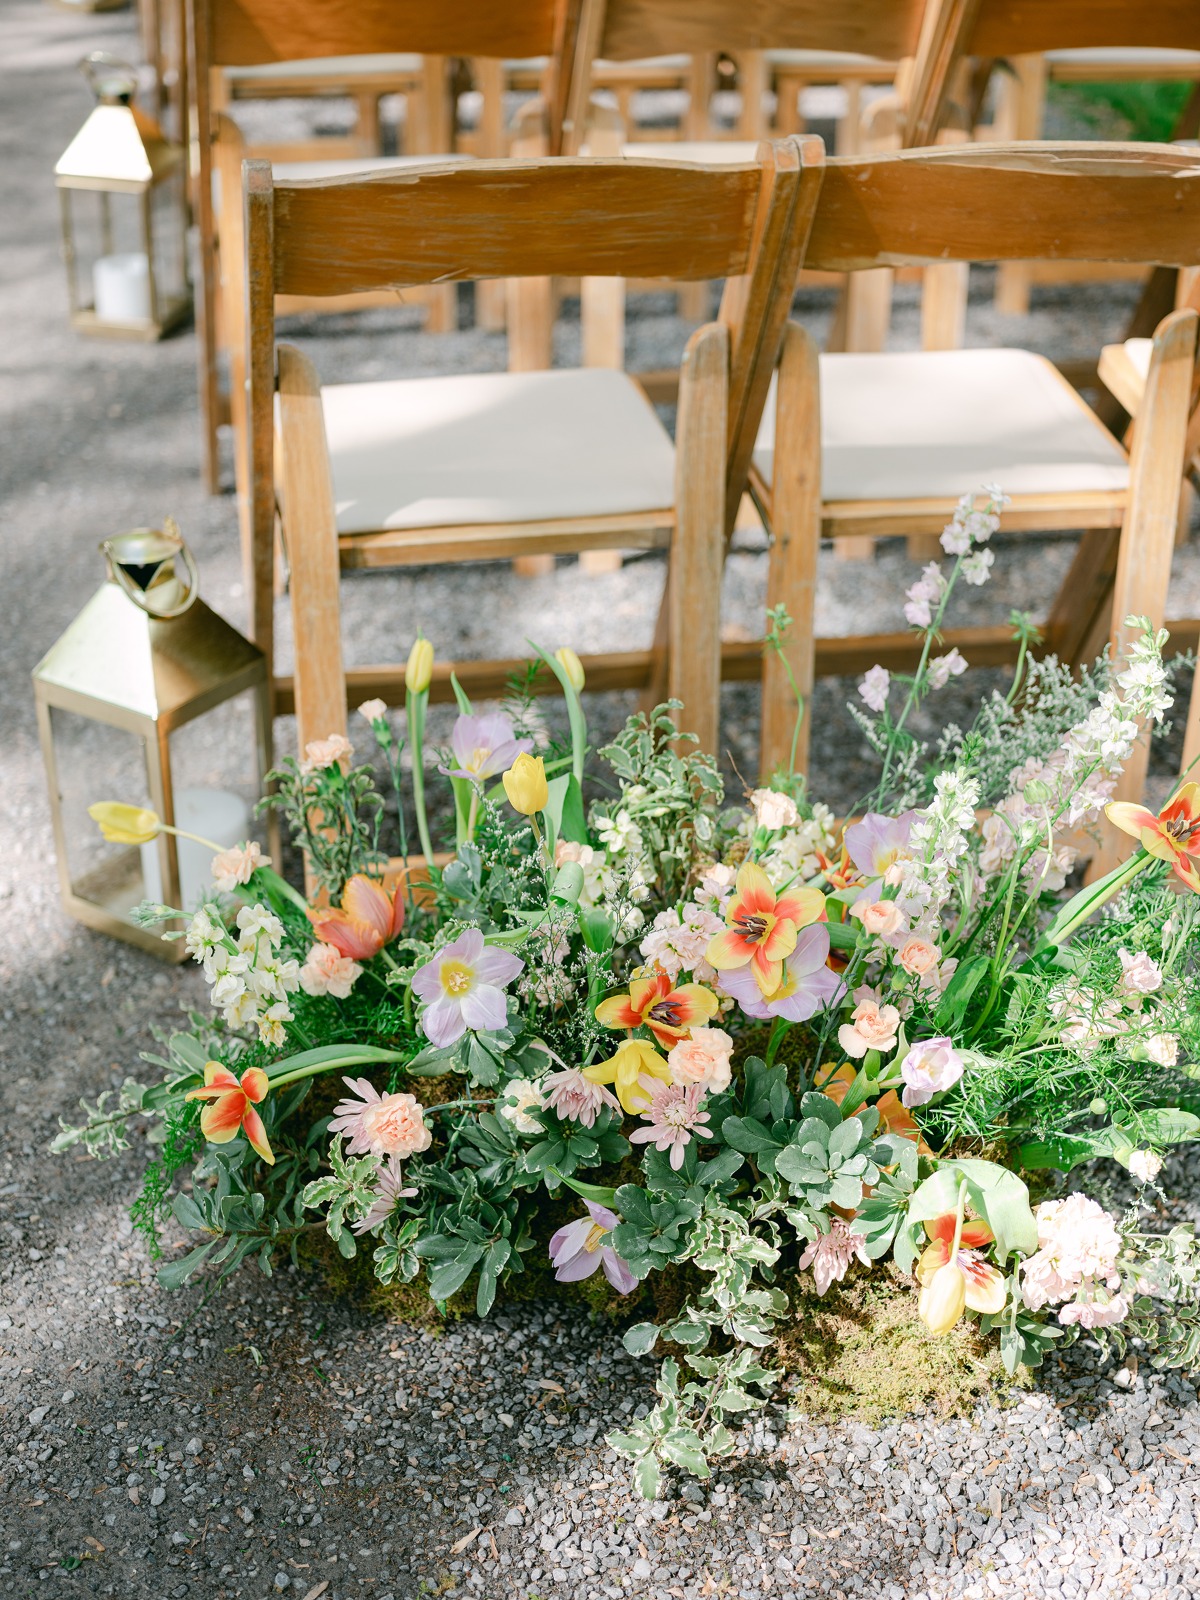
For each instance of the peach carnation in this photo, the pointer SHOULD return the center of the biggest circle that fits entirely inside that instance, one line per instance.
(703, 1059)
(917, 955)
(380, 1125)
(328, 971)
(321, 753)
(881, 917)
(872, 1026)
(237, 866)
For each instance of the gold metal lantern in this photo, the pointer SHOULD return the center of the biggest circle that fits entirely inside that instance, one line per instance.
(149, 698)
(122, 184)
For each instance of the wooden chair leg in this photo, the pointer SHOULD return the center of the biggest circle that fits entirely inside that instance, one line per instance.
(1148, 533)
(796, 540)
(1022, 120)
(698, 549)
(310, 528)
(943, 324)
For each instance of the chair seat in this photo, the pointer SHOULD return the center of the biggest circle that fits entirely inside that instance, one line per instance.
(708, 152)
(836, 63)
(353, 165)
(401, 65)
(1146, 59)
(494, 448)
(933, 424)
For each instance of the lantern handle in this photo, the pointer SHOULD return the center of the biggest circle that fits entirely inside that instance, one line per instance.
(141, 594)
(112, 79)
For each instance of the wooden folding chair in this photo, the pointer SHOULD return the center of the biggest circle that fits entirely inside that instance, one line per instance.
(229, 35)
(476, 468)
(616, 30)
(887, 443)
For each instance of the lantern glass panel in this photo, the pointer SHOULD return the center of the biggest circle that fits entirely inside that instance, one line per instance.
(168, 242)
(215, 781)
(95, 761)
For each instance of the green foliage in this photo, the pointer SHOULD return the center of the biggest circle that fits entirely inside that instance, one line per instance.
(334, 817)
(828, 1161)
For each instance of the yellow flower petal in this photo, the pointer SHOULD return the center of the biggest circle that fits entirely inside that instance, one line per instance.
(122, 824)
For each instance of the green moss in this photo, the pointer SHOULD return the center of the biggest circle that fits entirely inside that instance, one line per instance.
(862, 1352)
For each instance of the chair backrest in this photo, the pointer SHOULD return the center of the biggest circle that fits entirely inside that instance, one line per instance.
(745, 223)
(1084, 201)
(988, 30)
(624, 30)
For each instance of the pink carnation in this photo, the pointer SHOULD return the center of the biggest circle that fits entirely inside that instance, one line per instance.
(327, 971)
(380, 1125)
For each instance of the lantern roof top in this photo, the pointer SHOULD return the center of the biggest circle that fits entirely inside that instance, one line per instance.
(114, 658)
(117, 147)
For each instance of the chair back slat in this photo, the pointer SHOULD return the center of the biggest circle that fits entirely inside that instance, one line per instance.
(954, 30)
(1028, 27)
(1009, 202)
(244, 33)
(502, 219)
(624, 30)
(634, 28)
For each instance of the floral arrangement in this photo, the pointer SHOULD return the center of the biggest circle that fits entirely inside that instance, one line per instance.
(749, 1041)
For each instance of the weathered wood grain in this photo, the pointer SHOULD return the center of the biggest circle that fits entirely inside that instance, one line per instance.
(503, 219)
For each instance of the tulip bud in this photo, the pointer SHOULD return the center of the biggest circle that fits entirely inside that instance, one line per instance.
(418, 674)
(943, 1300)
(122, 824)
(525, 785)
(572, 666)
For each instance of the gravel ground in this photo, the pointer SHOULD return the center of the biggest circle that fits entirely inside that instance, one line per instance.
(274, 1441)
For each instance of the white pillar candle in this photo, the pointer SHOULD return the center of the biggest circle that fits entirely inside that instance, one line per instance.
(213, 814)
(121, 287)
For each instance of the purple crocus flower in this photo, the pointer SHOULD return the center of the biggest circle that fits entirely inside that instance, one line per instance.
(483, 747)
(577, 1249)
(463, 987)
(877, 843)
(807, 986)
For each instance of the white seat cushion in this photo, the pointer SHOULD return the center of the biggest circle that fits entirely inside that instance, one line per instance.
(1142, 56)
(1139, 351)
(354, 165)
(402, 65)
(831, 61)
(933, 424)
(494, 447)
(707, 152)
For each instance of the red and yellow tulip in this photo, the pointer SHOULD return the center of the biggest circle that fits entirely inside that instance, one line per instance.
(232, 1109)
(762, 927)
(1172, 835)
(948, 1286)
(652, 1003)
(368, 919)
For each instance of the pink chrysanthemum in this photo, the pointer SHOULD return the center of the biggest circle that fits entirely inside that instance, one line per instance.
(575, 1098)
(674, 1115)
(831, 1253)
(386, 1196)
(380, 1125)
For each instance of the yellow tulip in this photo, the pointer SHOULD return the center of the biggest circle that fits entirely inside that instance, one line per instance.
(525, 785)
(635, 1059)
(943, 1299)
(572, 666)
(418, 674)
(122, 824)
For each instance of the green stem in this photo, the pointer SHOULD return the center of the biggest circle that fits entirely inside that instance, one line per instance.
(778, 1028)
(1088, 901)
(352, 1056)
(415, 710)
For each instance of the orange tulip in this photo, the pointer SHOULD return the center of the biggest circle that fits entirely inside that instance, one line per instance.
(763, 927)
(949, 1287)
(1173, 835)
(232, 1109)
(894, 1115)
(368, 919)
(669, 1013)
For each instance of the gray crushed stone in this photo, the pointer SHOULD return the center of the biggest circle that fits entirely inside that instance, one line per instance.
(273, 1441)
